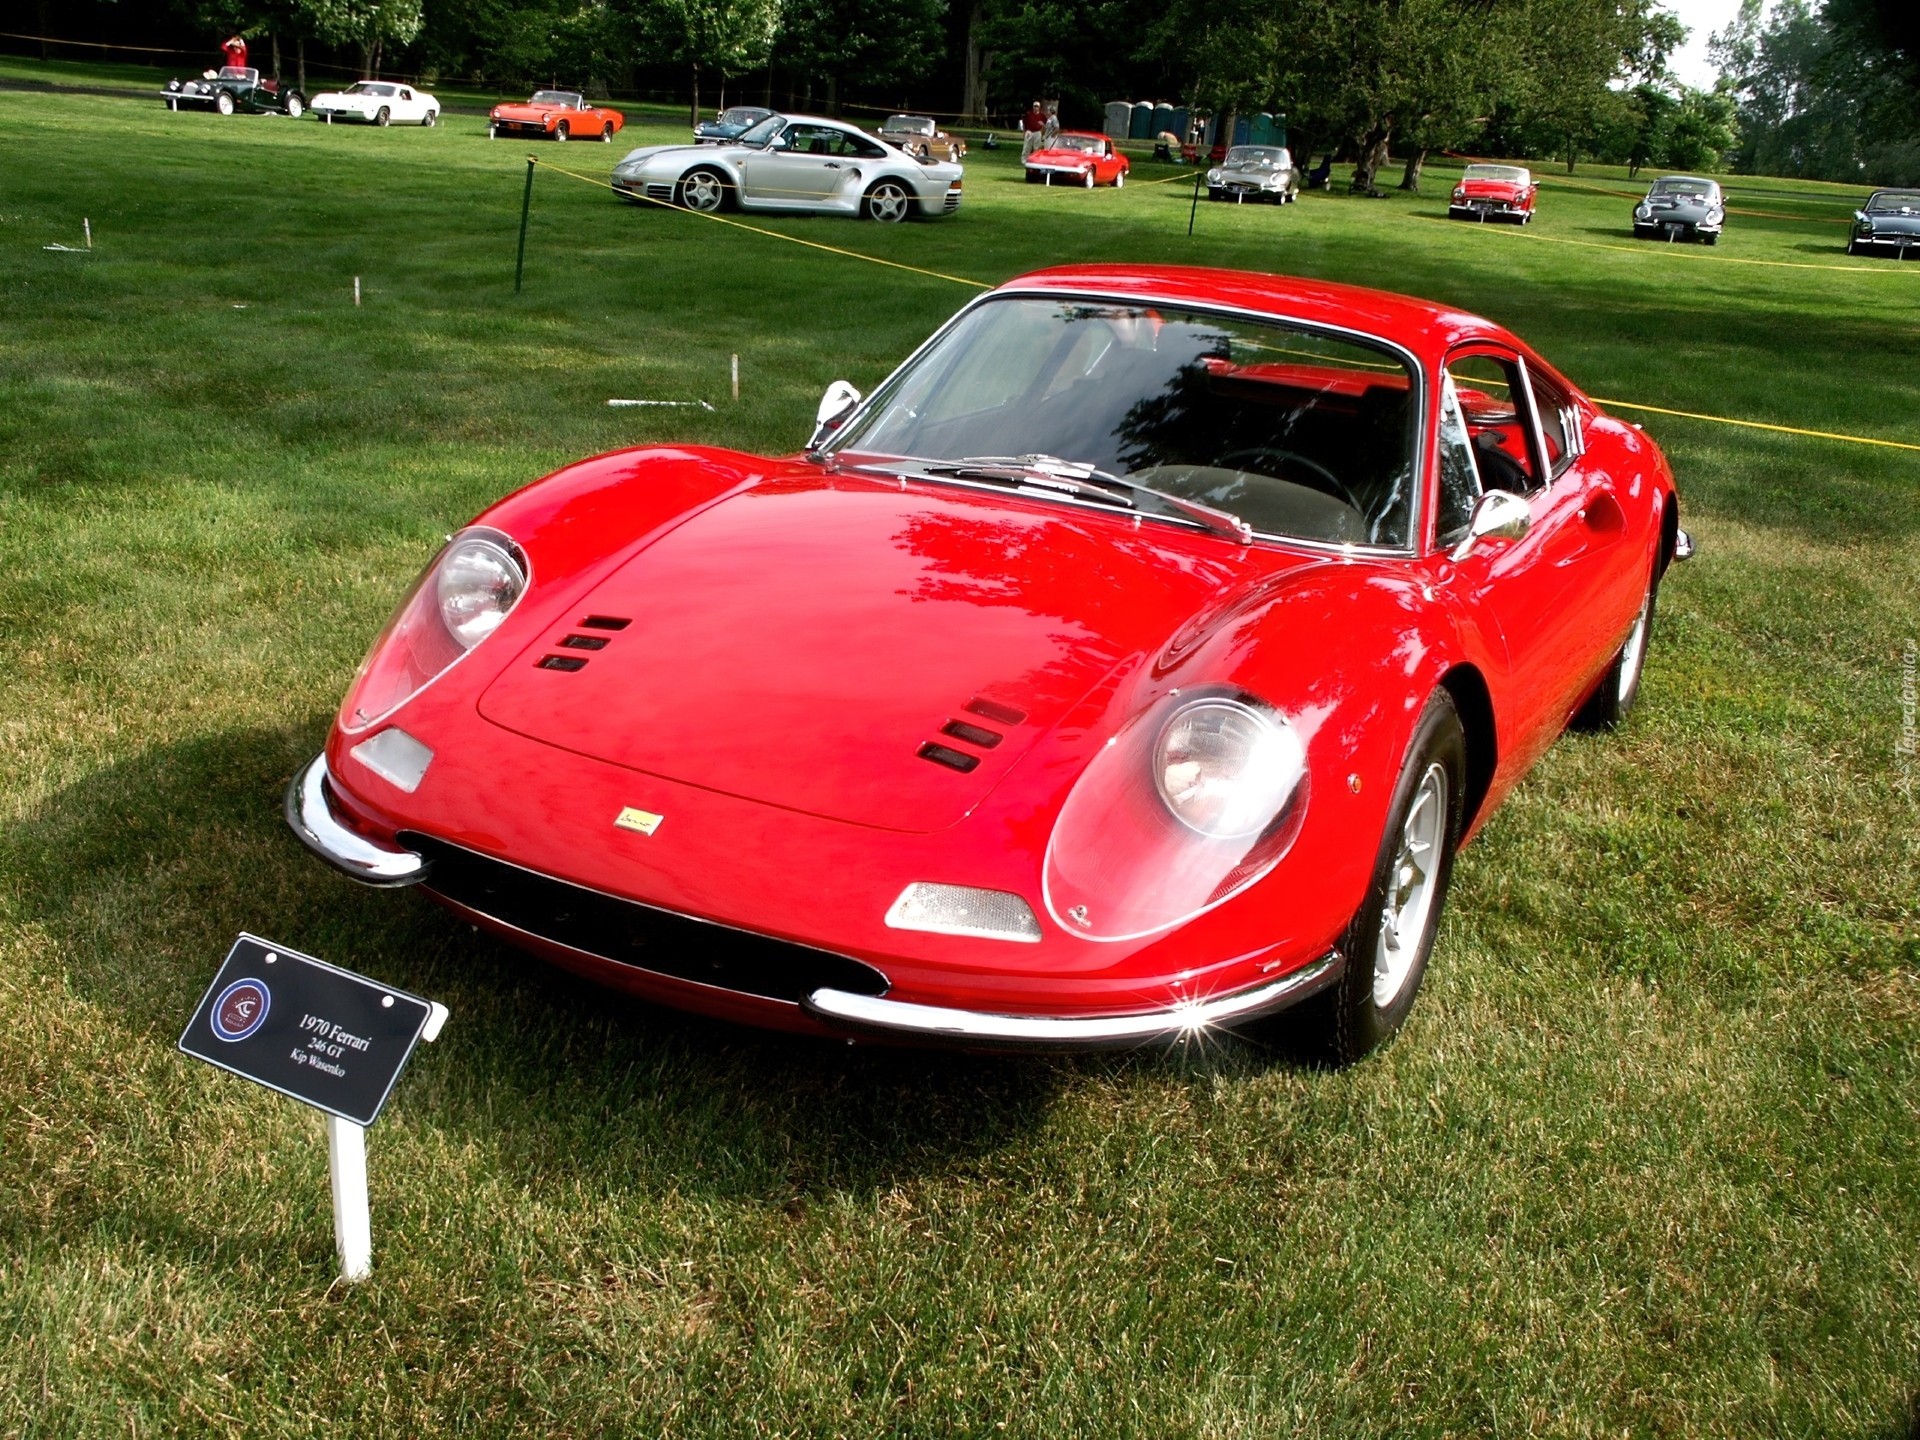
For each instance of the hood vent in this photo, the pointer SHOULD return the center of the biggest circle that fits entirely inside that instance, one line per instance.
(994, 710)
(973, 734)
(947, 756)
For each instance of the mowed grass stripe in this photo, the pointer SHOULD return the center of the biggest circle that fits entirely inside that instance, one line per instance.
(1644, 1161)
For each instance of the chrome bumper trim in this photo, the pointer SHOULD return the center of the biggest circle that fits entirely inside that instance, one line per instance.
(310, 816)
(879, 1016)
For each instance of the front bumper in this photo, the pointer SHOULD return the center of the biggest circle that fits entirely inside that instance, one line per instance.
(1484, 210)
(309, 811)
(878, 1016)
(589, 926)
(1077, 174)
(1895, 245)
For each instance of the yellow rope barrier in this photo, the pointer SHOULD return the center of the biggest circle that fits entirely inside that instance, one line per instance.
(981, 285)
(1759, 425)
(774, 234)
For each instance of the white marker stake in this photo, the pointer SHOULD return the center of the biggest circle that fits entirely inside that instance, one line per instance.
(87, 225)
(352, 1221)
(347, 1169)
(356, 290)
(736, 359)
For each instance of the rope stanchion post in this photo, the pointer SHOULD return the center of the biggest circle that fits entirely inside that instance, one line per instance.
(1193, 209)
(526, 204)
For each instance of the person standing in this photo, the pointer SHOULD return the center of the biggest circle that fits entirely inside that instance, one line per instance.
(1051, 130)
(1032, 125)
(235, 51)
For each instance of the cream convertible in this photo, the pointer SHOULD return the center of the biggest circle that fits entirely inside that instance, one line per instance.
(793, 162)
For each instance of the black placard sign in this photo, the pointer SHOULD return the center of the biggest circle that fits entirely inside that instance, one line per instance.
(308, 1029)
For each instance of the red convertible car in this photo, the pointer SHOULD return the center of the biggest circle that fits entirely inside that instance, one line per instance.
(557, 114)
(1076, 158)
(1494, 192)
(1131, 663)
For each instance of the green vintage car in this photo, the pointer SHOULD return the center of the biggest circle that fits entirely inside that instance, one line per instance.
(231, 88)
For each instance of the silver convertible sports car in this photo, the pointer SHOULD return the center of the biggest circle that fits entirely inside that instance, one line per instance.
(793, 162)
(1681, 207)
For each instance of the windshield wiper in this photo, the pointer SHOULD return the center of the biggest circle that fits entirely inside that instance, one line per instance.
(1073, 477)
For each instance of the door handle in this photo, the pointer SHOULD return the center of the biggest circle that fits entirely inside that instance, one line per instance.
(833, 164)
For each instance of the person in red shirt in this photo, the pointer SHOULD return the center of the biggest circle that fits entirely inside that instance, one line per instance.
(1032, 124)
(236, 52)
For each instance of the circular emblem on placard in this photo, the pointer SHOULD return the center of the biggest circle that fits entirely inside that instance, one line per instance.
(241, 1008)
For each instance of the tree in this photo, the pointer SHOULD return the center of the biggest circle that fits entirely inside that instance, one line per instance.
(370, 24)
(1699, 131)
(727, 37)
(862, 45)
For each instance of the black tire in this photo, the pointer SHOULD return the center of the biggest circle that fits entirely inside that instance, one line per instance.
(1213, 194)
(1033, 177)
(1852, 248)
(384, 118)
(1346, 1021)
(887, 201)
(223, 102)
(1120, 181)
(1711, 239)
(430, 119)
(1086, 179)
(704, 190)
(562, 133)
(1612, 701)
(296, 104)
(606, 133)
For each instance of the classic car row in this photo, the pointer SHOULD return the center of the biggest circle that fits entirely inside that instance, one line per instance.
(1131, 663)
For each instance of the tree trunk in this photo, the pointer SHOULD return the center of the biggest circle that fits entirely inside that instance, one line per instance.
(723, 92)
(275, 37)
(1416, 160)
(1372, 156)
(833, 96)
(696, 96)
(1573, 154)
(300, 62)
(766, 101)
(973, 95)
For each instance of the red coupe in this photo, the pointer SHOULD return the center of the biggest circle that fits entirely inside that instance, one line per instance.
(557, 114)
(1131, 663)
(1494, 192)
(1077, 158)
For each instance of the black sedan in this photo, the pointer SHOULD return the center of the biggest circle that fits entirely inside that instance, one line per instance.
(1888, 225)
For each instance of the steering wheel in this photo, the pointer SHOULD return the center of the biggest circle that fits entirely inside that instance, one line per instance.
(1270, 459)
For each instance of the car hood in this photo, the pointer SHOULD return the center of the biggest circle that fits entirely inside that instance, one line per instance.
(1491, 189)
(531, 112)
(654, 152)
(798, 643)
(1253, 174)
(1891, 223)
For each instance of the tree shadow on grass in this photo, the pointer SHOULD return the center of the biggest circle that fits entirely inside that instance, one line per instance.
(141, 875)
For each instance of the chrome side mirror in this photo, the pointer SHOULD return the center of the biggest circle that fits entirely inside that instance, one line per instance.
(835, 406)
(1497, 515)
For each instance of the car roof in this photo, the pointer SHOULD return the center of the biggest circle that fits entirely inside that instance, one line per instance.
(1422, 326)
(1690, 179)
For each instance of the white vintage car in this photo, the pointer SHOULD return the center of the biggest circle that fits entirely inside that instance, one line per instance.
(793, 162)
(378, 102)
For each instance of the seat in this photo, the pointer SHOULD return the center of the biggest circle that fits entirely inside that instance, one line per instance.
(819, 146)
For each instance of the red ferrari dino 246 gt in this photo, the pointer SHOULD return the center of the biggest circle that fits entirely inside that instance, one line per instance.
(1133, 661)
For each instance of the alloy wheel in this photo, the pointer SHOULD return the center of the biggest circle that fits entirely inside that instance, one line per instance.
(1411, 887)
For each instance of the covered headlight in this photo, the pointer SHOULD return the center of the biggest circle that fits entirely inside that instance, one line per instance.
(1225, 768)
(1459, 192)
(1193, 801)
(1642, 211)
(457, 601)
(1213, 176)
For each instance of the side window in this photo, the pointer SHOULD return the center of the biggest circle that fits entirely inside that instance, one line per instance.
(1559, 421)
(1459, 477)
(860, 147)
(1493, 399)
(406, 94)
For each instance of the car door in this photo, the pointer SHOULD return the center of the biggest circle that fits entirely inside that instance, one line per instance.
(799, 170)
(406, 109)
(1536, 593)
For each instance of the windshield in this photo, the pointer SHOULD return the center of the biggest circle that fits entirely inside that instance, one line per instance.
(1683, 187)
(1301, 434)
(1511, 174)
(909, 125)
(763, 132)
(366, 88)
(237, 72)
(742, 116)
(555, 97)
(1089, 144)
(1897, 201)
(1256, 157)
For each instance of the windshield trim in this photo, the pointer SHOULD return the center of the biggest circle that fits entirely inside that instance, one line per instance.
(1416, 520)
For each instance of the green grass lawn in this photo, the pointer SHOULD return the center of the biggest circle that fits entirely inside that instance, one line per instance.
(1644, 1161)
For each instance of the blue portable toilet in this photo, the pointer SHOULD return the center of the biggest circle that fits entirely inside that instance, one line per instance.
(1241, 127)
(1140, 127)
(1162, 118)
(1261, 131)
(1181, 117)
(1280, 129)
(1119, 118)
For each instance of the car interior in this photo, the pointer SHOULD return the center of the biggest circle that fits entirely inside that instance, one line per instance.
(1298, 433)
